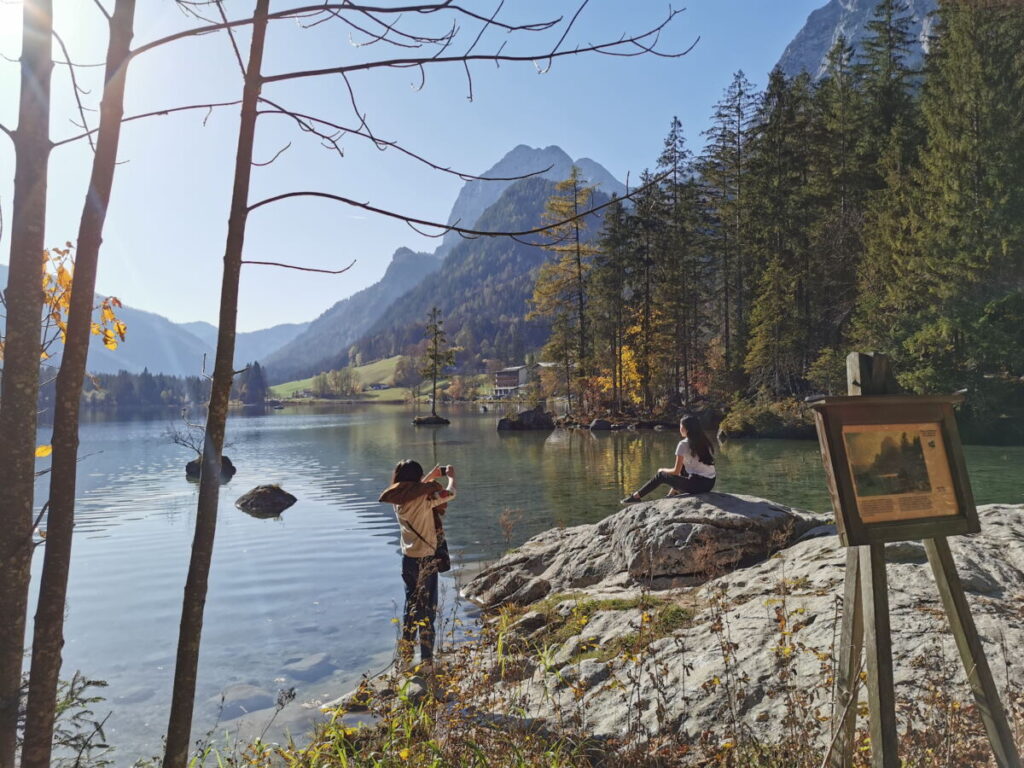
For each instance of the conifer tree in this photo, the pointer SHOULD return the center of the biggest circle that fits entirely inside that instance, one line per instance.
(888, 120)
(680, 286)
(780, 222)
(438, 354)
(608, 303)
(725, 170)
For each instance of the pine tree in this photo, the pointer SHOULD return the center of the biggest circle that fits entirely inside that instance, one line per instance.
(773, 360)
(838, 189)
(680, 289)
(725, 170)
(889, 116)
(438, 355)
(780, 217)
(608, 304)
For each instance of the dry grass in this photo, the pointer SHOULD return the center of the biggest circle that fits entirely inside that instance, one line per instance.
(471, 716)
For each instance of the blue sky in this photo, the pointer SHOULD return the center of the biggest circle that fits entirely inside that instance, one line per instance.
(165, 232)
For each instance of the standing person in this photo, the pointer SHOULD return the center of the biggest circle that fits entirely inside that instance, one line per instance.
(419, 502)
(694, 471)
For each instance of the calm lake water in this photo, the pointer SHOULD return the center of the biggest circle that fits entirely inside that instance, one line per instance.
(325, 577)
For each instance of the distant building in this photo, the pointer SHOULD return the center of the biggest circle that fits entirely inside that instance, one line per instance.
(508, 381)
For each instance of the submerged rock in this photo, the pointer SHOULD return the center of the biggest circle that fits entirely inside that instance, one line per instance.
(265, 501)
(309, 668)
(661, 544)
(227, 469)
(242, 698)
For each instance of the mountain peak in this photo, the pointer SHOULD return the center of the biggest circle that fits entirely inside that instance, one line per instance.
(477, 196)
(809, 49)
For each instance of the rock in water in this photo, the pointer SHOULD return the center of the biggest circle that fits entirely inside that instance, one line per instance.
(600, 425)
(243, 698)
(265, 501)
(309, 668)
(662, 543)
(227, 469)
(533, 419)
(428, 421)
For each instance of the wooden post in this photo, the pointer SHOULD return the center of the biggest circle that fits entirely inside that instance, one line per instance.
(878, 644)
(979, 676)
(851, 639)
(865, 375)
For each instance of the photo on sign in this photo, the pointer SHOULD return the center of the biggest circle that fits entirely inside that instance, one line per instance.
(900, 471)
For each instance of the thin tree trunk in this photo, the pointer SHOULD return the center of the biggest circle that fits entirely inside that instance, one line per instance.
(48, 636)
(19, 398)
(179, 726)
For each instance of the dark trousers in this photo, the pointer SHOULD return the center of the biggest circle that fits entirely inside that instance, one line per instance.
(420, 577)
(681, 483)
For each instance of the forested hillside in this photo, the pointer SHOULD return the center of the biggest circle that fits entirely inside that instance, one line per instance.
(325, 342)
(482, 288)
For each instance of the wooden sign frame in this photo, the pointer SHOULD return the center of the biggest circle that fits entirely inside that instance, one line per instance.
(946, 508)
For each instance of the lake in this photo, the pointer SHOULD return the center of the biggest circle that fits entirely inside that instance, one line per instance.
(325, 577)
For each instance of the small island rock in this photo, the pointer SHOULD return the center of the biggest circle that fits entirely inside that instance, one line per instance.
(227, 469)
(532, 419)
(428, 421)
(265, 501)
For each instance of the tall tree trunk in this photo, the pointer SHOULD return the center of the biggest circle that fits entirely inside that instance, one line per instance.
(48, 635)
(179, 726)
(18, 401)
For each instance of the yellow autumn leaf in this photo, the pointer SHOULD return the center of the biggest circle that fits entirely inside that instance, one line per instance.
(43, 355)
(42, 451)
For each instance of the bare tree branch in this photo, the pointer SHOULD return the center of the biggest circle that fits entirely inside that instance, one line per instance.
(156, 113)
(103, 10)
(306, 123)
(443, 229)
(78, 91)
(610, 49)
(279, 152)
(231, 36)
(300, 269)
(306, 11)
(8, 131)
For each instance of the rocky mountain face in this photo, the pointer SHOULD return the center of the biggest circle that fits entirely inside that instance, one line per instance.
(322, 344)
(477, 196)
(809, 49)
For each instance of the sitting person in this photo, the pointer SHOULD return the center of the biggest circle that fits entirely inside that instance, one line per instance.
(694, 471)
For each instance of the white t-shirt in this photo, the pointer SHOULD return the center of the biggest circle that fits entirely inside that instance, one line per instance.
(691, 464)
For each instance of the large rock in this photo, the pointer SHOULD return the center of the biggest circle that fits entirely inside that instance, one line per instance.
(753, 655)
(532, 419)
(661, 544)
(265, 501)
(194, 467)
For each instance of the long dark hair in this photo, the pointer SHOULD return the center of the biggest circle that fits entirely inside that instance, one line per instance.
(406, 471)
(700, 445)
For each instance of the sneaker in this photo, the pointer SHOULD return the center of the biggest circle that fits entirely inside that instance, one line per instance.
(631, 499)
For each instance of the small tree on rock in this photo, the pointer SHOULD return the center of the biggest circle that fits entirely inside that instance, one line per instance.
(438, 355)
